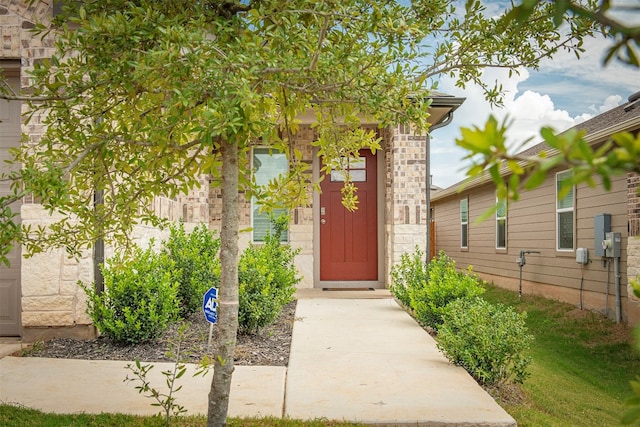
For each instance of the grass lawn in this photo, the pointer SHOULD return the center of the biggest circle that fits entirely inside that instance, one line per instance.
(581, 368)
(11, 416)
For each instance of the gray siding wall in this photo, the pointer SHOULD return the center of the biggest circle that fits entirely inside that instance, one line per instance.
(531, 225)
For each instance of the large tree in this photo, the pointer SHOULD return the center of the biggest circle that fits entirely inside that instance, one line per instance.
(144, 97)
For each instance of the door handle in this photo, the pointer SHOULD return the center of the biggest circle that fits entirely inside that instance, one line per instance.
(323, 221)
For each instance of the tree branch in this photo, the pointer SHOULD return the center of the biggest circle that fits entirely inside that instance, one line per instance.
(323, 33)
(600, 17)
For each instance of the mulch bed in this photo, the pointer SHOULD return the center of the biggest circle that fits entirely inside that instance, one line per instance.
(270, 347)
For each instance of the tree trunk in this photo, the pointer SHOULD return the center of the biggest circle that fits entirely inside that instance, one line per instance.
(228, 293)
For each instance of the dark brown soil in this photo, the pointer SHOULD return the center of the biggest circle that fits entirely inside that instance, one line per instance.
(268, 348)
(507, 394)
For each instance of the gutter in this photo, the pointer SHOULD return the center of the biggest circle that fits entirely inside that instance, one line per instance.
(439, 101)
(446, 101)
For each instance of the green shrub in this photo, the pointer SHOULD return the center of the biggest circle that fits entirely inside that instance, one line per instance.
(488, 340)
(267, 279)
(195, 256)
(409, 274)
(140, 298)
(444, 284)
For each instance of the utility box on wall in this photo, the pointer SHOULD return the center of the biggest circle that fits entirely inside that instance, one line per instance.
(601, 226)
(612, 245)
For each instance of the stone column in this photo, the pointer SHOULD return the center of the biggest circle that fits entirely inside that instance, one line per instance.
(406, 193)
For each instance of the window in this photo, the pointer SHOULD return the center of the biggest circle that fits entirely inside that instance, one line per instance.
(268, 164)
(564, 214)
(356, 168)
(464, 223)
(501, 223)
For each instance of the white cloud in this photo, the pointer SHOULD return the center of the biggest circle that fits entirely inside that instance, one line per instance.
(612, 101)
(527, 112)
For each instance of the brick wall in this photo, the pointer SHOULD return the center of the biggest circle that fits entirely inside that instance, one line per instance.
(301, 222)
(633, 186)
(194, 207)
(16, 18)
(405, 202)
(301, 225)
(51, 296)
(52, 303)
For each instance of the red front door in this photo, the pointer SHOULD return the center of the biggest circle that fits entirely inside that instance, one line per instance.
(349, 240)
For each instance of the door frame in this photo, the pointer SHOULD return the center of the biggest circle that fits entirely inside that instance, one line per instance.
(380, 185)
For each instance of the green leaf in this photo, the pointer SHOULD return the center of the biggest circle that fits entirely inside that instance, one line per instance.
(515, 167)
(550, 163)
(535, 179)
(475, 170)
(489, 213)
(549, 136)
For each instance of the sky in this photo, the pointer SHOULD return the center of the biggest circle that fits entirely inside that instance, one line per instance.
(562, 93)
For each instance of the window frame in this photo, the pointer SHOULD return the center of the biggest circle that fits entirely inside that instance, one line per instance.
(254, 208)
(464, 224)
(561, 176)
(501, 218)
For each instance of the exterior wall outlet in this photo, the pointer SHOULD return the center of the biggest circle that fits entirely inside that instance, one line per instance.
(582, 256)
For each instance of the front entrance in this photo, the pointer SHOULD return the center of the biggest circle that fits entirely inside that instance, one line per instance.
(10, 293)
(349, 240)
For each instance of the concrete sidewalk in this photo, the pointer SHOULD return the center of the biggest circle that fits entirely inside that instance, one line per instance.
(367, 360)
(74, 386)
(351, 359)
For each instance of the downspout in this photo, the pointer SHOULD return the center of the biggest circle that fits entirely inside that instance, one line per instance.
(616, 273)
(443, 123)
(98, 248)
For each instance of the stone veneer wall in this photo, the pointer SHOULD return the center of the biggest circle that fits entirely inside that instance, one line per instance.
(52, 302)
(405, 204)
(16, 18)
(48, 281)
(301, 223)
(194, 207)
(633, 201)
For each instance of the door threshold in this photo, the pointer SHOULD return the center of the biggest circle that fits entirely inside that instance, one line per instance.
(348, 289)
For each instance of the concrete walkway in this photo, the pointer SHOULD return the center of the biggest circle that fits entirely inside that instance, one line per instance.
(355, 359)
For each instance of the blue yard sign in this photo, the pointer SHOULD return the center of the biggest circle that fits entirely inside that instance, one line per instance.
(210, 305)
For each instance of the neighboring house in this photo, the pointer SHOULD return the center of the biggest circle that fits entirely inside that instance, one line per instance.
(555, 228)
(40, 296)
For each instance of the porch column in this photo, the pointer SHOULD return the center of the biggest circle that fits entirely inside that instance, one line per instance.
(406, 193)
